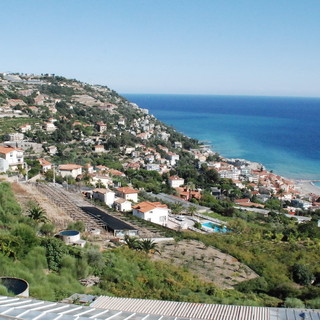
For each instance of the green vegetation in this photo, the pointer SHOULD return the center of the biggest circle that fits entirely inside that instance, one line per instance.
(53, 269)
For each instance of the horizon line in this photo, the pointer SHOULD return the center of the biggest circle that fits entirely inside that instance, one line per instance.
(221, 95)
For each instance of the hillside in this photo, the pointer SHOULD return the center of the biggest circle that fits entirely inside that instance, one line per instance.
(87, 137)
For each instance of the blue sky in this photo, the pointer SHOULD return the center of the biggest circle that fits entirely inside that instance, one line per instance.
(258, 47)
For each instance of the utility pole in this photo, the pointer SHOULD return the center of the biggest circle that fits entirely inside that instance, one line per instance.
(26, 167)
(54, 175)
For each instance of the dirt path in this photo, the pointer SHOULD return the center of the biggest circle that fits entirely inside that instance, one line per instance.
(27, 194)
(208, 263)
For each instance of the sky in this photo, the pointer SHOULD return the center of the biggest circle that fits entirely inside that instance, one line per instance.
(236, 47)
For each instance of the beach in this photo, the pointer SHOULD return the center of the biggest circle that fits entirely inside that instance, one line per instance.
(307, 187)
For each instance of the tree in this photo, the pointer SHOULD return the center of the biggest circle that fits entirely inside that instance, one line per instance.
(177, 208)
(192, 210)
(301, 274)
(55, 250)
(148, 246)
(37, 214)
(132, 242)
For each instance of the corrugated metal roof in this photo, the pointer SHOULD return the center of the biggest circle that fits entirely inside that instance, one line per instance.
(32, 309)
(139, 309)
(201, 311)
(184, 309)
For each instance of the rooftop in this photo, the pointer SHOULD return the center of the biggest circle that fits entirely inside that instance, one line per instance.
(114, 308)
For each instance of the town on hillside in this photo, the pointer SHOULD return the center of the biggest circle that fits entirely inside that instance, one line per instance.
(105, 199)
(88, 135)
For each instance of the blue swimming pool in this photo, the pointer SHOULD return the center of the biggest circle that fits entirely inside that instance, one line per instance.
(214, 227)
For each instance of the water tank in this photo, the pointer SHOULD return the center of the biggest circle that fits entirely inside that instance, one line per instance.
(17, 286)
(69, 236)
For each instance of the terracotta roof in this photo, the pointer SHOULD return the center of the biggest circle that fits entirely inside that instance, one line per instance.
(127, 190)
(44, 162)
(101, 190)
(115, 172)
(175, 178)
(6, 149)
(69, 166)
(242, 201)
(147, 206)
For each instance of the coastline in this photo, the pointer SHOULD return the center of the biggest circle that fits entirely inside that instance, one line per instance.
(307, 187)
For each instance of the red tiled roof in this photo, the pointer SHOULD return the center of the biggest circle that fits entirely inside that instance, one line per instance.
(69, 166)
(101, 190)
(6, 149)
(127, 190)
(44, 162)
(147, 206)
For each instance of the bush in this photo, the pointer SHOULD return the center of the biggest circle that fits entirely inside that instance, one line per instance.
(77, 226)
(302, 275)
(314, 303)
(293, 303)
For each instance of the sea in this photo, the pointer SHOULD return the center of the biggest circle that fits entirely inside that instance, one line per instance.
(282, 133)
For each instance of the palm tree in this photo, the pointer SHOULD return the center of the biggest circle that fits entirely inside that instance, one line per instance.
(37, 214)
(192, 210)
(148, 246)
(132, 242)
(177, 208)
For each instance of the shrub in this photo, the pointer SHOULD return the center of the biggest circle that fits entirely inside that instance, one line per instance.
(293, 303)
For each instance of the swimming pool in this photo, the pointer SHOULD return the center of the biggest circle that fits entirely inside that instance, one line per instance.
(214, 227)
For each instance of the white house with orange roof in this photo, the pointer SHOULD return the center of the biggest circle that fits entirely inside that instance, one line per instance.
(155, 212)
(100, 178)
(99, 148)
(12, 156)
(175, 181)
(127, 193)
(45, 165)
(70, 169)
(104, 195)
(114, 172)
(24, 128)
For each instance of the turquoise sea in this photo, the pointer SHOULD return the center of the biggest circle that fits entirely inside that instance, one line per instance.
(282, 133)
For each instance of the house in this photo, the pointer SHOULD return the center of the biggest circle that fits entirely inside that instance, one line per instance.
(122, 122)
(52, 150)
(45, 165)
(33, 109)
(49, 127)
(99, 148)
(127, 193)
(24, 128)
(16, 102)
(101, 126)
(177, 145)
(175, 181)
(15, 136)
(88, 168)
(98, 179)
(122, 205)
(104, 195)
(173, 158)
(12, 156)
(114, 172)
(152, 167)
(155, 212)
(70, 169)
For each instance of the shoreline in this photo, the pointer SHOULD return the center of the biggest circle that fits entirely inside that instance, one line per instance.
(304, 186)
(307, 187)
